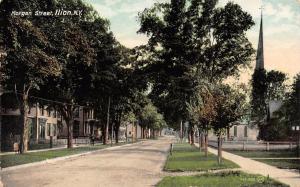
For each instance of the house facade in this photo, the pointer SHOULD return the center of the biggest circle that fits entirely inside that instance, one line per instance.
(45, 122)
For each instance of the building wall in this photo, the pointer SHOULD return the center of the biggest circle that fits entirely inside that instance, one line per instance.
(45, 123)
(237, 133)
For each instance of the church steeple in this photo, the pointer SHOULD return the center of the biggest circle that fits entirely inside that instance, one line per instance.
(260, 49)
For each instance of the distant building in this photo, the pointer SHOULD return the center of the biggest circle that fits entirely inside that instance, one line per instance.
(44, 122)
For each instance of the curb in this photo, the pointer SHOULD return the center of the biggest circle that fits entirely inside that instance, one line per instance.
(49, 161)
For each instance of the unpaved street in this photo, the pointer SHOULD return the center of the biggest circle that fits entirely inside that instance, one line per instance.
(137, 165)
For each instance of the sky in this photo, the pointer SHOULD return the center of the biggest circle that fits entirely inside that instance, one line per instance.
(281, 28)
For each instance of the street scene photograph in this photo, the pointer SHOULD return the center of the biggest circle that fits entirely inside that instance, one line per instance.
(150, 93)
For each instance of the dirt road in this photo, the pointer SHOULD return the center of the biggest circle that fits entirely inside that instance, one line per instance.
(137, 165)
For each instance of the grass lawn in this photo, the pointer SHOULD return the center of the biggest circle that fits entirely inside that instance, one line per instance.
(19, 159)
(230, 179)
(39, 146)
(266, 154)
(282, 164)
(188, 158)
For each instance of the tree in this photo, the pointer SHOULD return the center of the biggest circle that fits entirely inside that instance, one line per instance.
(151, 119)
(259, 94)
(266, 87)
(190, 39)
(76, 55)
(276, 87)
(202, 110)
(104, 74)
(230, 107)
(280, 126)
(117, 77)
(30, 58)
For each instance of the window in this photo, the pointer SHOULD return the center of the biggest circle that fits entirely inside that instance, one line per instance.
(76, 112)
(60, 127)
(54, 129)
(245, 131)
(235, 131)
(76, 129)
(48, 129)
(42, 129)
(31, 124)
(54, 114)
(49, 112)
(41, 110)
(86, 127)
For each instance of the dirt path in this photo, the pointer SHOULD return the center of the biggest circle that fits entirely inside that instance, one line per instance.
(251, 166)
(137, 165)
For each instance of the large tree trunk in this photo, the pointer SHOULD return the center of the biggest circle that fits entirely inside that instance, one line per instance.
(24, 139)
(104, 137)
(228, 133)
(202, 141)
(117, 126)
(117, 135)
(117, 129)
(153, 133)
(68, 116)
(70, 123)
(142, 132)
(220, 149)
(192, 137)
(199, 140)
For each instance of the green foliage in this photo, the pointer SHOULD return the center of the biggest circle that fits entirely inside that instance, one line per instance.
(276, 85)
(218, 105)
(259, 94)
(291, 108)
(280, 127)
(266, 86)
(189, 39)
(150, 118)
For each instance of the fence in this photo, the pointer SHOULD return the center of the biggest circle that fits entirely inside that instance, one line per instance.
(254, 145)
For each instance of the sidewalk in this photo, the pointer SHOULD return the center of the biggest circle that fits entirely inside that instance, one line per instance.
(251, 166)
(54, 148)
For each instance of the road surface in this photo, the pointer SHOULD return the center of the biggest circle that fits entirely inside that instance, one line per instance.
(133, 165)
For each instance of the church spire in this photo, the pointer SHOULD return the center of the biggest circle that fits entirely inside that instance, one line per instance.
(260, 49)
